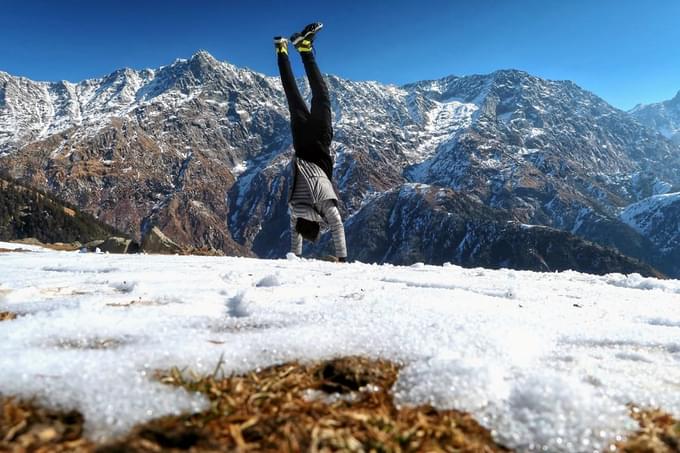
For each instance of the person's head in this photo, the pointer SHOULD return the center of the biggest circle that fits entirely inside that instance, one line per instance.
(308, 229)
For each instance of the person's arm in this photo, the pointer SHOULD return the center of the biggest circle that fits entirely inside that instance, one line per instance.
(295, 238)
(332, 216)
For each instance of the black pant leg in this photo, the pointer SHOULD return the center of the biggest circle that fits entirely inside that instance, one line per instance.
(299, 113)
(321, 102)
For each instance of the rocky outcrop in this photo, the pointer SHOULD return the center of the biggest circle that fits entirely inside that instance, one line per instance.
(157, 242)
(119, 245)
(92, 246)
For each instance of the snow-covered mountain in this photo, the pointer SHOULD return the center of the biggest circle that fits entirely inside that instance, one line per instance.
(420, 223)
(658, 218)
(138, 148)
(662, 116)
(201, 147)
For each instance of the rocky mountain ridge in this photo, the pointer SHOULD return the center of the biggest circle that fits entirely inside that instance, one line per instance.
(405, 225)
(661, 116)
(200, 148)
(658, 219)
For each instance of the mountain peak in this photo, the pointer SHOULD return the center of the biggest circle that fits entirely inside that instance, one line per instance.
(203, 55)
(511, 73)
(676, 99)
(203, 61)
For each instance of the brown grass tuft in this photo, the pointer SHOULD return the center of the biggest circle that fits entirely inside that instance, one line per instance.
(341, 404)
(659, 433)
(63, 247)
(7, 316)
(336, 405)
(26, 427)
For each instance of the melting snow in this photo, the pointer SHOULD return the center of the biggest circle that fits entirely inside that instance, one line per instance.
(546, 361)
(239, 169)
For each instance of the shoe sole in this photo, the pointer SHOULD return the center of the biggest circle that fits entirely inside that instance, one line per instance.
(306, 35)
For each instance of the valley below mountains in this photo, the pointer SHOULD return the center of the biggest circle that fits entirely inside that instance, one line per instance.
(497, 170)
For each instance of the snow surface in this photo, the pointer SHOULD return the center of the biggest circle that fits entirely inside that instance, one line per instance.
(545, 360)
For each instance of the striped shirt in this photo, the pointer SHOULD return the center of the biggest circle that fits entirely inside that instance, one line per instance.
(313, 198)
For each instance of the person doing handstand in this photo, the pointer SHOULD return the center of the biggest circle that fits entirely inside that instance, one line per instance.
(312, 200)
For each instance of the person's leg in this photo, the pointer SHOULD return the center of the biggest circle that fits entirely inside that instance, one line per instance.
(296, 105)
(321, 102)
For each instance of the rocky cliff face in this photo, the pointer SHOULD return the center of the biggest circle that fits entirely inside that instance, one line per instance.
(201, 148)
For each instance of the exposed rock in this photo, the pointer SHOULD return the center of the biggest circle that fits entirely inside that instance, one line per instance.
(157, 242)
(119, 245)
(93, 245)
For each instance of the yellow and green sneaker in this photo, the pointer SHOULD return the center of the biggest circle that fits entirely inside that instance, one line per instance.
(281, 45)
(303, 40)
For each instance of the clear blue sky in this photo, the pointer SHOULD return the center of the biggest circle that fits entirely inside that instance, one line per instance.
(626, 51)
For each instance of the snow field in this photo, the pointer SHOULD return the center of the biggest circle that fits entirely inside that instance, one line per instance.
(546, 361)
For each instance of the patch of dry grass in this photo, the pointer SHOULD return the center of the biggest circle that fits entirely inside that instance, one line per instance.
(201, 251)
(58, 246)
(338, 405)
(26, 427)
(7, 316)
(63, 247)
(658, 433)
